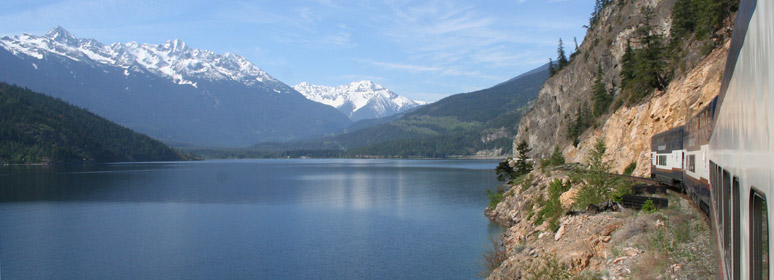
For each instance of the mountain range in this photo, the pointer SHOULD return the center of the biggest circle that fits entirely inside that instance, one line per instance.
(170, 91)
(359, 100)
(480, 123)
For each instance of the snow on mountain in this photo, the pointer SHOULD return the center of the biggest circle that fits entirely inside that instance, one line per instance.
(359, 100)
(169, 91)
(173, 59)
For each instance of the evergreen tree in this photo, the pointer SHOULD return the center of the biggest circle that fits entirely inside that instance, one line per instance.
(557, 158)
(600, 95)
(683, 18)
(522, 165)
(551, 69)
(583, 120)
(596, 157)
(645, 69)
(627, 65)
(561, 57)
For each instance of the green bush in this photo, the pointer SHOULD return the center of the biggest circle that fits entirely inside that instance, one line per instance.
(630, 168)
(495, 196)
(648, 206)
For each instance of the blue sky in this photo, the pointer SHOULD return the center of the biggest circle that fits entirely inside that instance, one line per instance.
(425, 50)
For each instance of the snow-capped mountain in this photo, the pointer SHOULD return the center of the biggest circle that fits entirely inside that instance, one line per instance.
(169, 91)
(172, 59)
(359, 100)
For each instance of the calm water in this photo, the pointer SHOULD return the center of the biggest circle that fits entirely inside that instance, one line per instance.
(246, 219)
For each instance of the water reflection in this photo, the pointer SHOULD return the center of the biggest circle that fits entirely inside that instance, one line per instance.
(252, 219)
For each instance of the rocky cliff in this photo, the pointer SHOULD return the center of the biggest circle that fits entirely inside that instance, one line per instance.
(671, 243)
(627, 129)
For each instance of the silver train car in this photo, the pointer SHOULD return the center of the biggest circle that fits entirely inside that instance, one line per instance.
(727, 151)
(741, 147)
(696, 171)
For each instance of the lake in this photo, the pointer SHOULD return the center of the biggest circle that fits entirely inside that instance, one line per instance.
(246, 219)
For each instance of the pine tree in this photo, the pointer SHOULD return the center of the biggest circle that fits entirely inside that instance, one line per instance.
(522, 165)
(600, 95)
(627, 65)
(596, 157)
(683, 18)
(561, 57)
(551, 69)
(583, 120)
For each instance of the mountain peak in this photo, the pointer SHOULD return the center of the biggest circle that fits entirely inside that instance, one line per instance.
(173, 59)
(366, 84)
(61, 35)
(175, 46)
(358, 100)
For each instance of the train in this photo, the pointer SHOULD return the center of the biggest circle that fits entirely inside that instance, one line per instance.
(723, 157)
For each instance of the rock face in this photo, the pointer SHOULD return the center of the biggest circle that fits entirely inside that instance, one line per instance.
(628, 130)
(546, 125)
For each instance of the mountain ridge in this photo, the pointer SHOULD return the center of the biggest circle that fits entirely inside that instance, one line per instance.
(170, 91)
(35, 128)
(359, 100)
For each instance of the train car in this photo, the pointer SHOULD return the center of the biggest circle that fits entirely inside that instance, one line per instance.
(696, 166)
(741, 147)
(667, 156)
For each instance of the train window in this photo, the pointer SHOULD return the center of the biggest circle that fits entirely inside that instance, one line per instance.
(691, 163)
(759, 236)
(736, 223)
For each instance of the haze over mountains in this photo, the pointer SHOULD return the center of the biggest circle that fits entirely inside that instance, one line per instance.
(170, 91)
(197, 98)
(359, 100)
(480, 123)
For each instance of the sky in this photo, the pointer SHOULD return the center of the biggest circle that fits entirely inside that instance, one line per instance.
(424, 50)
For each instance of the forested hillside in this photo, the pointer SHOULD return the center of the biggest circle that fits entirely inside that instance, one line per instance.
(35, 128)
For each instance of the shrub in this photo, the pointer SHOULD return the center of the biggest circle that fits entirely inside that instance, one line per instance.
(648, 206)
(495, 197)
(630, 168)
(494, 255)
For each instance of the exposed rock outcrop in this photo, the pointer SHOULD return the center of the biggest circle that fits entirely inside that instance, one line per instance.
(628, 130)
